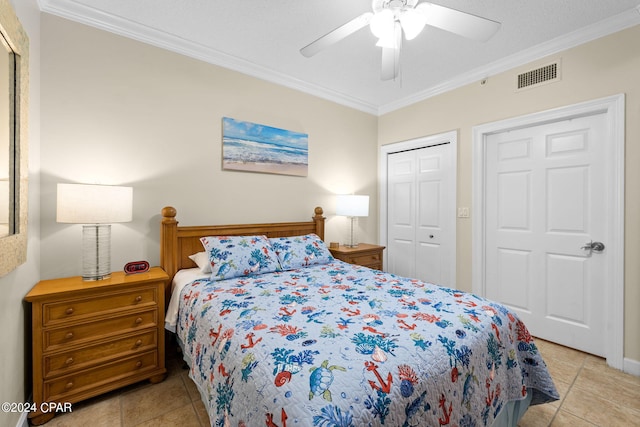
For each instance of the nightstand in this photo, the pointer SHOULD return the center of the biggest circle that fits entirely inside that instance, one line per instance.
(364, 254)
(94, 337)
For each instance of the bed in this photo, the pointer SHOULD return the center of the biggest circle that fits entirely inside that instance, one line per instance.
(277, 332)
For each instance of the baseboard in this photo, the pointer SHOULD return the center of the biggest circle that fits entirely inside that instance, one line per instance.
(23, 421)
(631, 366)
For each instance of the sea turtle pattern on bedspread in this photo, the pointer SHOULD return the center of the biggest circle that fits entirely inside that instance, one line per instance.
(343, 345)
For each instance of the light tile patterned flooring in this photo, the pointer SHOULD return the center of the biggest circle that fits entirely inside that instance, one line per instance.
(592, 394)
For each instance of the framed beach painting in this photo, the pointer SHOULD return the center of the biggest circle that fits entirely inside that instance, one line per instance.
(253, 147)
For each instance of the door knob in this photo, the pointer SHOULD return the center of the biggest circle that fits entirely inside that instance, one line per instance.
(593, 246)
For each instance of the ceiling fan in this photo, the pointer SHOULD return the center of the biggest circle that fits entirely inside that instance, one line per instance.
(391, 18)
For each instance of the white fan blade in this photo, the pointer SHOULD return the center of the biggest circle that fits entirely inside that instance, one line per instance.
(391, 57)
(464, 24)
(390, 63)
(336, 35)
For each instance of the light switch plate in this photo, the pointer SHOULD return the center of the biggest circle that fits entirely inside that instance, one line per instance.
(463, 212)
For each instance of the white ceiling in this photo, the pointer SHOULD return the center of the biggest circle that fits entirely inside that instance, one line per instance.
(262, 38)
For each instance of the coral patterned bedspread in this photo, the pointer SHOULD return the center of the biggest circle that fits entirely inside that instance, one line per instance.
(343, 345)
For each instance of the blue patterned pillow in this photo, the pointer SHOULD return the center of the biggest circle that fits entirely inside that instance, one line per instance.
(301, 251)
(234, 256)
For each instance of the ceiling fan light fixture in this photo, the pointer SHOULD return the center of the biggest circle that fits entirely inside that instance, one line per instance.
(392, 38)
(390, 19)
(412, 22)
(382, 24)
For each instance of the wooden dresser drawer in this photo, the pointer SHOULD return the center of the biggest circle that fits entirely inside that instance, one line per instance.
(364, 254)
(85, 357)
(80, 333)
(76, 309)
(91, 337)
(61, 389)
(366, 259)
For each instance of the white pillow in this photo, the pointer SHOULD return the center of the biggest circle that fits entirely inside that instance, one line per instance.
(202, 261)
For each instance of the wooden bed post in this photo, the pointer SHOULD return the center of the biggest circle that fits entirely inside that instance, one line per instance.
(169, 241)
(319, 220)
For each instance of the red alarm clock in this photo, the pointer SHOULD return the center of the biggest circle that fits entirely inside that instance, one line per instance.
(136, 267)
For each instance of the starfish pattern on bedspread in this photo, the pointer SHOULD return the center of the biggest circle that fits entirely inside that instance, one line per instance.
(343, 345)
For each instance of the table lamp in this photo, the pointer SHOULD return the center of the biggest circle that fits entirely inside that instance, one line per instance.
(96, 207)
(352, 206)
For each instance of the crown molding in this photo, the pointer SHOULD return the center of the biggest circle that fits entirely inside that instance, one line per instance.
(92, 17)
(600, 29)
(74, 11)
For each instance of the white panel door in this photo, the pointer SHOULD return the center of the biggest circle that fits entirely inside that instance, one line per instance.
(419, 236)
(545, 204)
(401, 184)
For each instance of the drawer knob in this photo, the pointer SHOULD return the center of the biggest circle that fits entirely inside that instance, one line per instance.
(138, 343)
(69, 335)
(69, 310)
(138, 320)
(69, 385)
(138, 364)
(69, 361)
(138, 298)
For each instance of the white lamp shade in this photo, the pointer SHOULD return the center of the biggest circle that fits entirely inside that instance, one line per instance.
(412, 23)
(352, 205)
(94, 204)
(381, 24)
(390, 39)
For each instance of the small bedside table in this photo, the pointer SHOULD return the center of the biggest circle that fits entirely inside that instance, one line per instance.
(364, 254)
(94, 337)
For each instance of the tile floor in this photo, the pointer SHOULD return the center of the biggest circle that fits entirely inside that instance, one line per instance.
(592, 394)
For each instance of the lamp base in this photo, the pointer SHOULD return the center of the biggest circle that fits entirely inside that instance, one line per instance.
(96, 252)
(95, 278)
(353, 242)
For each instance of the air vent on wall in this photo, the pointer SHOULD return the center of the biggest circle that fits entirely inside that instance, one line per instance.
(545, 74)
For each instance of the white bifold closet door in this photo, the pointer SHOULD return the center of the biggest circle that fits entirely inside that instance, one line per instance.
(420, 227)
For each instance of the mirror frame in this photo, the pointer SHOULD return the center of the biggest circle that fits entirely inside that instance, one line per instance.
(13, 248)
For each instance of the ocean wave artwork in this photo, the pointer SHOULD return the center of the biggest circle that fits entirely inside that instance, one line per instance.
(253, 147)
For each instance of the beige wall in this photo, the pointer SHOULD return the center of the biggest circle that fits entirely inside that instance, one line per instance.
(116, 111)
(14, 315)
(120, 112)
(604, 67)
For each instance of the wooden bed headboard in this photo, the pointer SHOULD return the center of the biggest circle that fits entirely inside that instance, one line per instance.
(177, 243)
